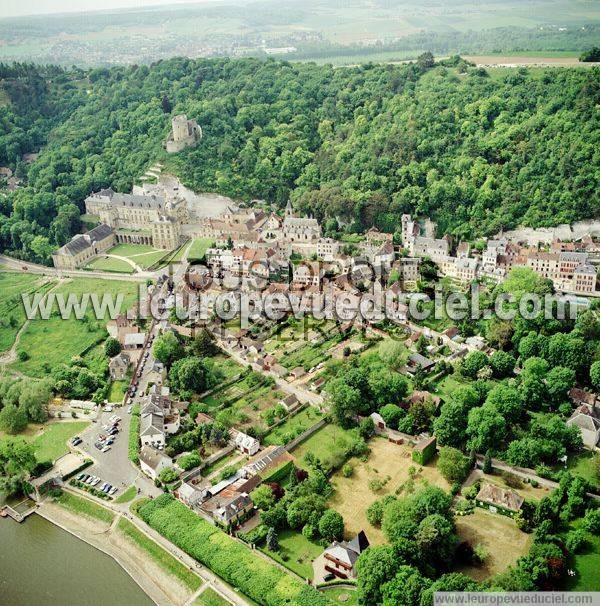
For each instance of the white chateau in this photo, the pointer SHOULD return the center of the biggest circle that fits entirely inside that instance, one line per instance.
(184, 133)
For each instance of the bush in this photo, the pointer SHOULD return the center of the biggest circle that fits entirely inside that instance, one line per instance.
(347, 470)
(261, 581)
(575, 540)
(189, 461)
(591, 521)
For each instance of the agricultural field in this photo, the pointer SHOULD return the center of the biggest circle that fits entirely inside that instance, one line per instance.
(12, 312)
(54, 341)
(387, 461)
(500, 537)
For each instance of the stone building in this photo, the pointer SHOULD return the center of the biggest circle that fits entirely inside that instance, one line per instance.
(83, 247)
(140, 219)
(184, 133)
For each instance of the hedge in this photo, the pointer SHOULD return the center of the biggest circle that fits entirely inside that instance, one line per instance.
(134, 436)
(261, 581)
(279, 473)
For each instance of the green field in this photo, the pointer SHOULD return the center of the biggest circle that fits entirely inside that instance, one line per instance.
(117, 391)
(110, 264)
(329, 444)
(12, 313)
(296, 552)
(587, 565)
(198, 248)
(141, 254)
(209, 597)
(342, 595)
(581, 465)
(164, 559)
(293, 426)
(52, 444)
(82, 506)
(55, 341)
(127, 496)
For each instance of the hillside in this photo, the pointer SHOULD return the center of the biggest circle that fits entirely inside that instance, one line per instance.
(477, 151)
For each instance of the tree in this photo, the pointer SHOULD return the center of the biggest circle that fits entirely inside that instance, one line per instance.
(508, 402)
(33, 399)
(167, 348)
(387, 388)
(112, 347)
(263, 497)
(346, 401)
(305, 509)
(486, 427)
(502, 364)
(272, 540)
(405, 588)
(331, 525)
(425, 60)
(203, 344)
(393, 353)
(17, 461)
(166, 105)
(436, 540)
(487, 462)
(453, 465)
(392, 414)
(473, 363)
(591, 55)
(559, 381)
(168, 475)
(595, 375)
(189, 461)
(194, 375)
(13, 419)
(375, 566)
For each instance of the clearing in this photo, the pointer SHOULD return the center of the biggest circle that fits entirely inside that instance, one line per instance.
(352, 496)
(499, 534)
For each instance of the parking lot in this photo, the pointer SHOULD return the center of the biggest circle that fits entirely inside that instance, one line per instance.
(112, 466)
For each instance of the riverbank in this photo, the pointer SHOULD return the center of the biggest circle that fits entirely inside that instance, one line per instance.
(161, 587)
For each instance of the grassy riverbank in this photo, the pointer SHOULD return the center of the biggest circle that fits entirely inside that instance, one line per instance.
(84, 507)
(165, 560)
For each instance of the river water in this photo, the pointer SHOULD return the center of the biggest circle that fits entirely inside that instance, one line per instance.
(43, 565)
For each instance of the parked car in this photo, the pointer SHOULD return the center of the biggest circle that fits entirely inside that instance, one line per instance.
(130, 409)
(106, 449)
(112, 490)
(90, 480)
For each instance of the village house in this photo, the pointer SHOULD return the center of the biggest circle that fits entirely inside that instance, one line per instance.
(499, 500)
(584, 279)
(290, 403)
(244, 443)
(418, 361)
(586, 418)
(119, 366)
(234, 511)
(152, 461)
(340, 557)
(327, 249)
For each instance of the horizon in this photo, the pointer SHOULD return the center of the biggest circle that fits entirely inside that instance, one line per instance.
(36, 8)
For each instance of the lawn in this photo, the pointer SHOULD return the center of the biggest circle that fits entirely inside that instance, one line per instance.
(499, 535)
(85, 507)
(127, 496)
(52, 443)
(141, 254)
(110, 264)
(12, 313)
(581, 465)
(198, 248)
(342, 595)
(352, 496)
(587, 564)
(209, 597)
(164, 559)
(296, 552)
(55, 341)
(117, 391)
(293, 427)
(329, 444)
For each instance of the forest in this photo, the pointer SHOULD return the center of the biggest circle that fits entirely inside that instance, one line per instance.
(475, 150)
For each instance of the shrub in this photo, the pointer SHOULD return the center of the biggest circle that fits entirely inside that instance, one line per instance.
(347, 470)
(575, 540)
(591, 521)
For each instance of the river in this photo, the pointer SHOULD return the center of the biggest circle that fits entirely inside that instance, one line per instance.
(41, 564)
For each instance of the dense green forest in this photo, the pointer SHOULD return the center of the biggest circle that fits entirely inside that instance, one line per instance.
(477, 151)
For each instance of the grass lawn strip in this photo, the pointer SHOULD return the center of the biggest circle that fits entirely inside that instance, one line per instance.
(164, 559)
(85, 507)
(127, 496)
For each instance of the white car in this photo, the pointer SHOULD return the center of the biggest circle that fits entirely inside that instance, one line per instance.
(113, 490)
(108, 409)
(106, 449)
(96, 482)
(130, 409)
(90, 479)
